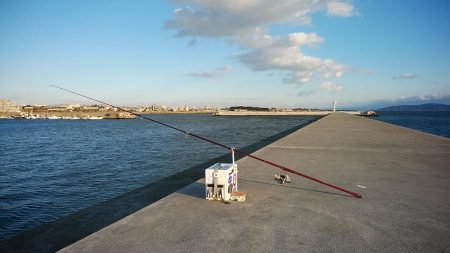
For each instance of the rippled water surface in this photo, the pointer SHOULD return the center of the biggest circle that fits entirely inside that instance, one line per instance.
(50, 168)
(431, 122)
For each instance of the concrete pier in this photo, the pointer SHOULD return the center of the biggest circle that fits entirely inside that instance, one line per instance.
(403, 175)
(279, 113)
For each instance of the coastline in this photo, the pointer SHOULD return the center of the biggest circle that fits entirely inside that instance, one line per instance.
(86, 115)
(170, 112)
(75, 115)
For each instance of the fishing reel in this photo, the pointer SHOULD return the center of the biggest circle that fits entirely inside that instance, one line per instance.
(281, 179)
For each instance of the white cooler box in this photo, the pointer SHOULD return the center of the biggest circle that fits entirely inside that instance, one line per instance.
(221, 181)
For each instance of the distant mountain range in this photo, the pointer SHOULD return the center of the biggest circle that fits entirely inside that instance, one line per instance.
(416, 108)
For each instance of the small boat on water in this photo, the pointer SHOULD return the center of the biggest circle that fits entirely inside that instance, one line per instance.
(95, 117)
(54, 117)
(369, 114)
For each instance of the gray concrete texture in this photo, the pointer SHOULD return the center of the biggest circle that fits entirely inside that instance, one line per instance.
(405, 205)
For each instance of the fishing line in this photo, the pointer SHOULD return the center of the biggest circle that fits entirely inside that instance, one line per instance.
(354, 194)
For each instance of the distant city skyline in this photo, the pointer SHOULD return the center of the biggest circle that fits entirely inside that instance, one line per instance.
(291, 53)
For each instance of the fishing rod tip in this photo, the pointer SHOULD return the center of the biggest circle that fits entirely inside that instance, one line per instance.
(56, 86)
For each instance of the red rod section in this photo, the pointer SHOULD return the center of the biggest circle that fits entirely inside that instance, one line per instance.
(354, 194)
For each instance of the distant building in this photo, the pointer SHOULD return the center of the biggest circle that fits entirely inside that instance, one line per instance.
(72, 107)
(8, 106)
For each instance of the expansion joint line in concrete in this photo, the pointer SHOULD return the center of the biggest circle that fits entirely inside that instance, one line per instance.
(354, 194)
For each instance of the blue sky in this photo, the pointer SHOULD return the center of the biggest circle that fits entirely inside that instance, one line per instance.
(291, 53)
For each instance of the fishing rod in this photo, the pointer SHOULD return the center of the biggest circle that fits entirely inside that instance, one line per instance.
(354, 194)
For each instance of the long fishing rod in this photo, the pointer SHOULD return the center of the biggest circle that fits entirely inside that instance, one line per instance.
(354, 194)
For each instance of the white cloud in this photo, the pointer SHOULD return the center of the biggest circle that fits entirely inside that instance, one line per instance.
(406, 76)
(431, 97)
(214, 18)
(219, 72)
(305, 39)
(297, 77)
(331, 86)
(246, 24)
(284, 54)
(340, 9)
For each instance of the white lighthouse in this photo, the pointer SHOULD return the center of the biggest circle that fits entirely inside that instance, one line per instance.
(334, 106)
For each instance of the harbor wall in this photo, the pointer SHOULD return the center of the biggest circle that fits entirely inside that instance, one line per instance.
(276, 113)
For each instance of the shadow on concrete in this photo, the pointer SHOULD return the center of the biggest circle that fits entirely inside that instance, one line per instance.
(196, 190)
(292, 187)
(55, 235)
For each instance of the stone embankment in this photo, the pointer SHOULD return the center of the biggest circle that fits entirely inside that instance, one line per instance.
(68, 115)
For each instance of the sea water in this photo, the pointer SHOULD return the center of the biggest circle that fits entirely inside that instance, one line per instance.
(51, 168)
(437, 123)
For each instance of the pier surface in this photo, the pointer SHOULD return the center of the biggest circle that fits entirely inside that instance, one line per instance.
(402, 174)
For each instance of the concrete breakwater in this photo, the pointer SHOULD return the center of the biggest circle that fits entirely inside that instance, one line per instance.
(402, 174)
(279, 113)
